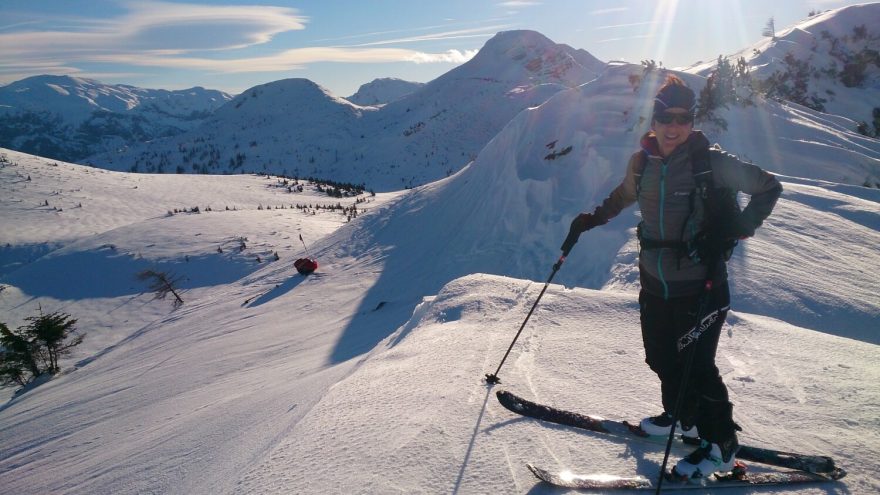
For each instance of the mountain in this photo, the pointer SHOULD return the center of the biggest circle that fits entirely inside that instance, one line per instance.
(565, 156)
(421, 137)
(69, 118)
(366, 375)
(829, 62)
(382, 91)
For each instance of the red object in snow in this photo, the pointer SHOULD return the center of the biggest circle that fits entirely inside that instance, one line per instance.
(305, 265)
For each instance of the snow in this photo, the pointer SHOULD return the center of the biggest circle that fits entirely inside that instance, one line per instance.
(823, 42)
(366, 376)
(293, 127)
(382, 91)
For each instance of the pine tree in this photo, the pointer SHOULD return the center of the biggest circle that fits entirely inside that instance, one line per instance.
(770, 29)
(50, 333)
(36, 348)
(17, 364)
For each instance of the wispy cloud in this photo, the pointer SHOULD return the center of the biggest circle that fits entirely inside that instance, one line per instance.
(155, 26)
(631, 24)
(483, 32)
(185, 36)
(609, 11)
(515, 4)
(627, 38)
(294, 59)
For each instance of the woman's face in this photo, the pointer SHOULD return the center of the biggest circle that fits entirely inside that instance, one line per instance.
(672, 128)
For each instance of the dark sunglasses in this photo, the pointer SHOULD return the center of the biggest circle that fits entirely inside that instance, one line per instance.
(666, 118)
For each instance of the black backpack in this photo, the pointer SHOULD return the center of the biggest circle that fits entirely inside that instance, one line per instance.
(720, 206)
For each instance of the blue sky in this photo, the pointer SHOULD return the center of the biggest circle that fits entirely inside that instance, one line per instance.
(234, 45)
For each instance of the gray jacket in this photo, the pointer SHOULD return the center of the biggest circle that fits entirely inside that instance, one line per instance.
(664, 199)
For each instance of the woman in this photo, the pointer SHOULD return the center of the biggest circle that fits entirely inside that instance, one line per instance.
(685, 237)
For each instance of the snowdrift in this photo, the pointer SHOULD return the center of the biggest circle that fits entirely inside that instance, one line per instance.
(404, 423)
(509, 211)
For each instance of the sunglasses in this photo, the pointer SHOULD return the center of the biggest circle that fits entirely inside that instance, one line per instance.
(666, 118)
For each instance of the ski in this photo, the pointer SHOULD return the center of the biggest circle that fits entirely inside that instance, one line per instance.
(822, 465)
(737, 479)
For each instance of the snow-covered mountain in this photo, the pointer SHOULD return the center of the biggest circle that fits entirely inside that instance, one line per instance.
(366, 376)
(382, 91)
(829, 62)
(418, 138)
(69, 118)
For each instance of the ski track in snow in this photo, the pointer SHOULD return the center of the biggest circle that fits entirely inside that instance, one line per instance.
(366, 377)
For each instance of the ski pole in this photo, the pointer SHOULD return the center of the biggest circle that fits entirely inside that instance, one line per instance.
(304, 245)
(702, 306)
(492, 378)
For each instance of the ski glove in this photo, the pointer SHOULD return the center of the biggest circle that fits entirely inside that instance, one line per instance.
(739, 228)
(580, 224)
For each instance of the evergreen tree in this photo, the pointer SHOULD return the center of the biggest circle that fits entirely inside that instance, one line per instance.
(36, 348)
(50, 333)
(17, 363)
(770, 29)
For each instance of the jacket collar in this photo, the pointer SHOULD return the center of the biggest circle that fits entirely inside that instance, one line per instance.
(696, 140)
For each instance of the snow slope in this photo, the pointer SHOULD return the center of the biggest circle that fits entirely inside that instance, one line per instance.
(509, 211)
(366, 376)
(383, 91)
(70, 118)
(825, 44)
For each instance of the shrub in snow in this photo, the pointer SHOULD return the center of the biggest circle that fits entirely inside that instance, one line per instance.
(35, 348)
(727, 85)
(162, 284)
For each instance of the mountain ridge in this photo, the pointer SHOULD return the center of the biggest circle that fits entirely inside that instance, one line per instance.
(421, 137)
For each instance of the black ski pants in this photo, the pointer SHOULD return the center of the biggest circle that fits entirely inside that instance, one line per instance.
(664, 321)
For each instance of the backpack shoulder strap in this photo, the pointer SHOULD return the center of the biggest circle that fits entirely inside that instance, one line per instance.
(702, 170)
(642, 160)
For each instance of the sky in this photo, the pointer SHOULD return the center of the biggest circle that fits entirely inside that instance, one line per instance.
(234, 45)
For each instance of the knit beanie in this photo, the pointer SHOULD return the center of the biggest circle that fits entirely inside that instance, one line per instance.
(674, 95)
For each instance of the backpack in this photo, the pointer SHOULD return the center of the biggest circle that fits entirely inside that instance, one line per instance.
(719, 204)
(305, 266)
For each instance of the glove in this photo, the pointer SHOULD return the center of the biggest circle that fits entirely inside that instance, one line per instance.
(585, 222)
(714, 243)
(580, 224)
(738, 228)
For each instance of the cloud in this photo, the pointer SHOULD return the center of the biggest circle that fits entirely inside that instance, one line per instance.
(451, 56)
(153, 25)
(608, 11)
(514, 4)
(185, 36)
(295, 59)
(482, 32)
(640, 37)
(631, 24)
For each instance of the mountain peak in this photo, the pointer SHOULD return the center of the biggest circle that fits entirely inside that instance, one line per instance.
(383, 90)
(536, 60)
(300, 91)
(506, 40)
